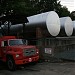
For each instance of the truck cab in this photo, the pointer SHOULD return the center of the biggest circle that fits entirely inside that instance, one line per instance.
(15, 51)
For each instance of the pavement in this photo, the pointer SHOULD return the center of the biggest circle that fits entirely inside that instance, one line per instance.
(41, 68)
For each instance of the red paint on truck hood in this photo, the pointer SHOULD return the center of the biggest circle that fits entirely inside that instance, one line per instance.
(23, 46)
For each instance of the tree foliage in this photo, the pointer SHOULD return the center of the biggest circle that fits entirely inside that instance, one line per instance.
(31, 7)
(63, 12)
(72, 15)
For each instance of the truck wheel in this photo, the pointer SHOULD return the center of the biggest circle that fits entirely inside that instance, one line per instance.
(11, 64)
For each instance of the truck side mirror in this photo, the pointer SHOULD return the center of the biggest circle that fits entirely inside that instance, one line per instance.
(26, 42)
(2, 44)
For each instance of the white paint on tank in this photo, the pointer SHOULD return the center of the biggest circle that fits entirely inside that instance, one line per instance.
(73, 24)
(67, 24)
(49, 19)
(73, 27)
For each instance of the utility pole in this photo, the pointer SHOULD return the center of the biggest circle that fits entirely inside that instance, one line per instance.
(24, 25)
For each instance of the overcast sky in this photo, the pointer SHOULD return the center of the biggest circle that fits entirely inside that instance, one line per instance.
(70, 4)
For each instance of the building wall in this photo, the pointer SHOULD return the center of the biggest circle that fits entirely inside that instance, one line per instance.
(57, 48)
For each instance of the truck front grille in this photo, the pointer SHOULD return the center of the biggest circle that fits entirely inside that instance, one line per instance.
(29, 52)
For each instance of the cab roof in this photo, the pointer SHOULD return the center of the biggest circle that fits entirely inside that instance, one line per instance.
(7, 37)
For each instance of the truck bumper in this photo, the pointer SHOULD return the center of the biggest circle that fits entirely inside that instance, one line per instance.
(27, 60)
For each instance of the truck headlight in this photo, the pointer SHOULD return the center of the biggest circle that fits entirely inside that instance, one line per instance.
(37, 52)
(17, 55)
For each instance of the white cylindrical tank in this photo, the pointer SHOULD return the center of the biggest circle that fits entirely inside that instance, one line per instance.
(73, 28)
(49, 20)
(14, 29)
(66, 28)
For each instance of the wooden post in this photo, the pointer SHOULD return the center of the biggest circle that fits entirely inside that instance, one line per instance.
(8, 28)
(23, 30)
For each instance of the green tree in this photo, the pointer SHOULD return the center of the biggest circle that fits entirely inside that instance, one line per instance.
(72, 15)
(31, 7)
(63, 11)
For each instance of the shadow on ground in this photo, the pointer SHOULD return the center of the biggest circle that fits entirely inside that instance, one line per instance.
(3, 66)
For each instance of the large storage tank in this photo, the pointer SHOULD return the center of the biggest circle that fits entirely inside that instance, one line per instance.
(73, 28)
(66, 28)
(14, 29)
(48, 22)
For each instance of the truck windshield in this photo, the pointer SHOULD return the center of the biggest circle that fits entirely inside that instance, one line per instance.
(16, 42)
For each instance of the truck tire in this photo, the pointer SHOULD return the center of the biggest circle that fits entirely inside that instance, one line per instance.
(11, 64)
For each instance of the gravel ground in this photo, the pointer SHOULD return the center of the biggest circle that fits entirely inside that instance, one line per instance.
(43, 68)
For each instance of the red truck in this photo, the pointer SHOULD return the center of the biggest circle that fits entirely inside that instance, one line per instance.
(14, 52)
